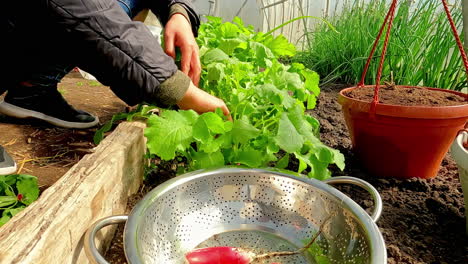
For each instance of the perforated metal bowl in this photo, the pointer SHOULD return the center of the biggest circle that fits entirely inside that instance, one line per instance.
(259, 210)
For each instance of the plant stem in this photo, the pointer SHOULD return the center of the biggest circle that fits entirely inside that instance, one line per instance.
(299, 251)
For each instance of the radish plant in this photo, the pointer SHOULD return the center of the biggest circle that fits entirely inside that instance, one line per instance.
(267, 100)
(16, 192)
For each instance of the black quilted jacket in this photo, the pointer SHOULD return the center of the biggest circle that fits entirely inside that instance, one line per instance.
(95, 35)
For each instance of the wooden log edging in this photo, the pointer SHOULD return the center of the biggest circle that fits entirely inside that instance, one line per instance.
(51, 229)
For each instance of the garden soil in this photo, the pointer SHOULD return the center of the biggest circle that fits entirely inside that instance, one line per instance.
(48, 152)
(422, 221)
(394, 95)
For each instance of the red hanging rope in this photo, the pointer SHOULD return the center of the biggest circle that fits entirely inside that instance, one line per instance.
(364, 73)
(389, 22)
(455, 34)
(375, 101)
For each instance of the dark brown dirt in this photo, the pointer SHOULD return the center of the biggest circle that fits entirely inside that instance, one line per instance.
(163, 172)
(422, 222)
(396, 95)
(48, 152)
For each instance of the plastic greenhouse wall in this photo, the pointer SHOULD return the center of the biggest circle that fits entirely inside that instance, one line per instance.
(267, 14)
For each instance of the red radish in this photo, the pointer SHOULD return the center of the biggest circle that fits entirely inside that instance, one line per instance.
(232, 255)
(218, 255)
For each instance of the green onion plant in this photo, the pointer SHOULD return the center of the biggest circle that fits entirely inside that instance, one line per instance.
(422, 50)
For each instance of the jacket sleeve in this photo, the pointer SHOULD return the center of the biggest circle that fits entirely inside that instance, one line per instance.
(120, 53)
(162, 9)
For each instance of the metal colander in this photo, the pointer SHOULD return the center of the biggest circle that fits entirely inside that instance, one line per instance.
(258, 210)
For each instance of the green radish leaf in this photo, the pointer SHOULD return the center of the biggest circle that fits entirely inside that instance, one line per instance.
(237, 20)
(285, 80)
(6, 201)
(283, 162)
(9, 179)
(261, 141)
(280, 46)
(243, 45)
(323, 154)
(276, 96)
(246, 108)
(302, 165)
(327, 155)
(298, 119)
(229, 45)
(252, 158)
(272, 147)
(207, 125)
(27, 186)
(5, 218)
(215, 72)
(99, 135)
(297, 67)
(288, 138)
(311, 101)
(229, 30)
(170, 132)
(226, 140)
(319, 254)
(204, 160)
(12, 203)
(214, 55)
(214, 20)
(203, 50)
(214, 144)
(338, 159)
(270, 92)
(312, 80)
(315, 125)
(5, 188)
(14, 211)
(207, 128)
(210, 146)
(262, 54)
(319, 170)
(293, 81)
(9, 213)
(243, 131)
(215, 123)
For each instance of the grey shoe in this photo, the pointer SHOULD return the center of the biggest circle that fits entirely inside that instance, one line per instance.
(47, 104)
(7, 164)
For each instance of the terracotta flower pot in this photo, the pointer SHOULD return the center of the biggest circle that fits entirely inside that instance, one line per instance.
(402, 141)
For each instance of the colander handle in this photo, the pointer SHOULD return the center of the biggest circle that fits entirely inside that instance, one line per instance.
(366, 186)
(90, 245)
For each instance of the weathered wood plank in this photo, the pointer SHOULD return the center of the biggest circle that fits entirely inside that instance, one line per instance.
(51, 229)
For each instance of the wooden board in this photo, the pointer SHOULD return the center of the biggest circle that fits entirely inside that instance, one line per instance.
(51, 229)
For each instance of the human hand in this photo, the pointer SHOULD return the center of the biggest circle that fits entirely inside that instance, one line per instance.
(178, 33)
(201, 101)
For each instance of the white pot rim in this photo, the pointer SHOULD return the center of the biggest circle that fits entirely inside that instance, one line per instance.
(460, 153)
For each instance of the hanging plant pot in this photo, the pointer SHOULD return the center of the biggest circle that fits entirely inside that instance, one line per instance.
(399, 140)
(403, 131)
